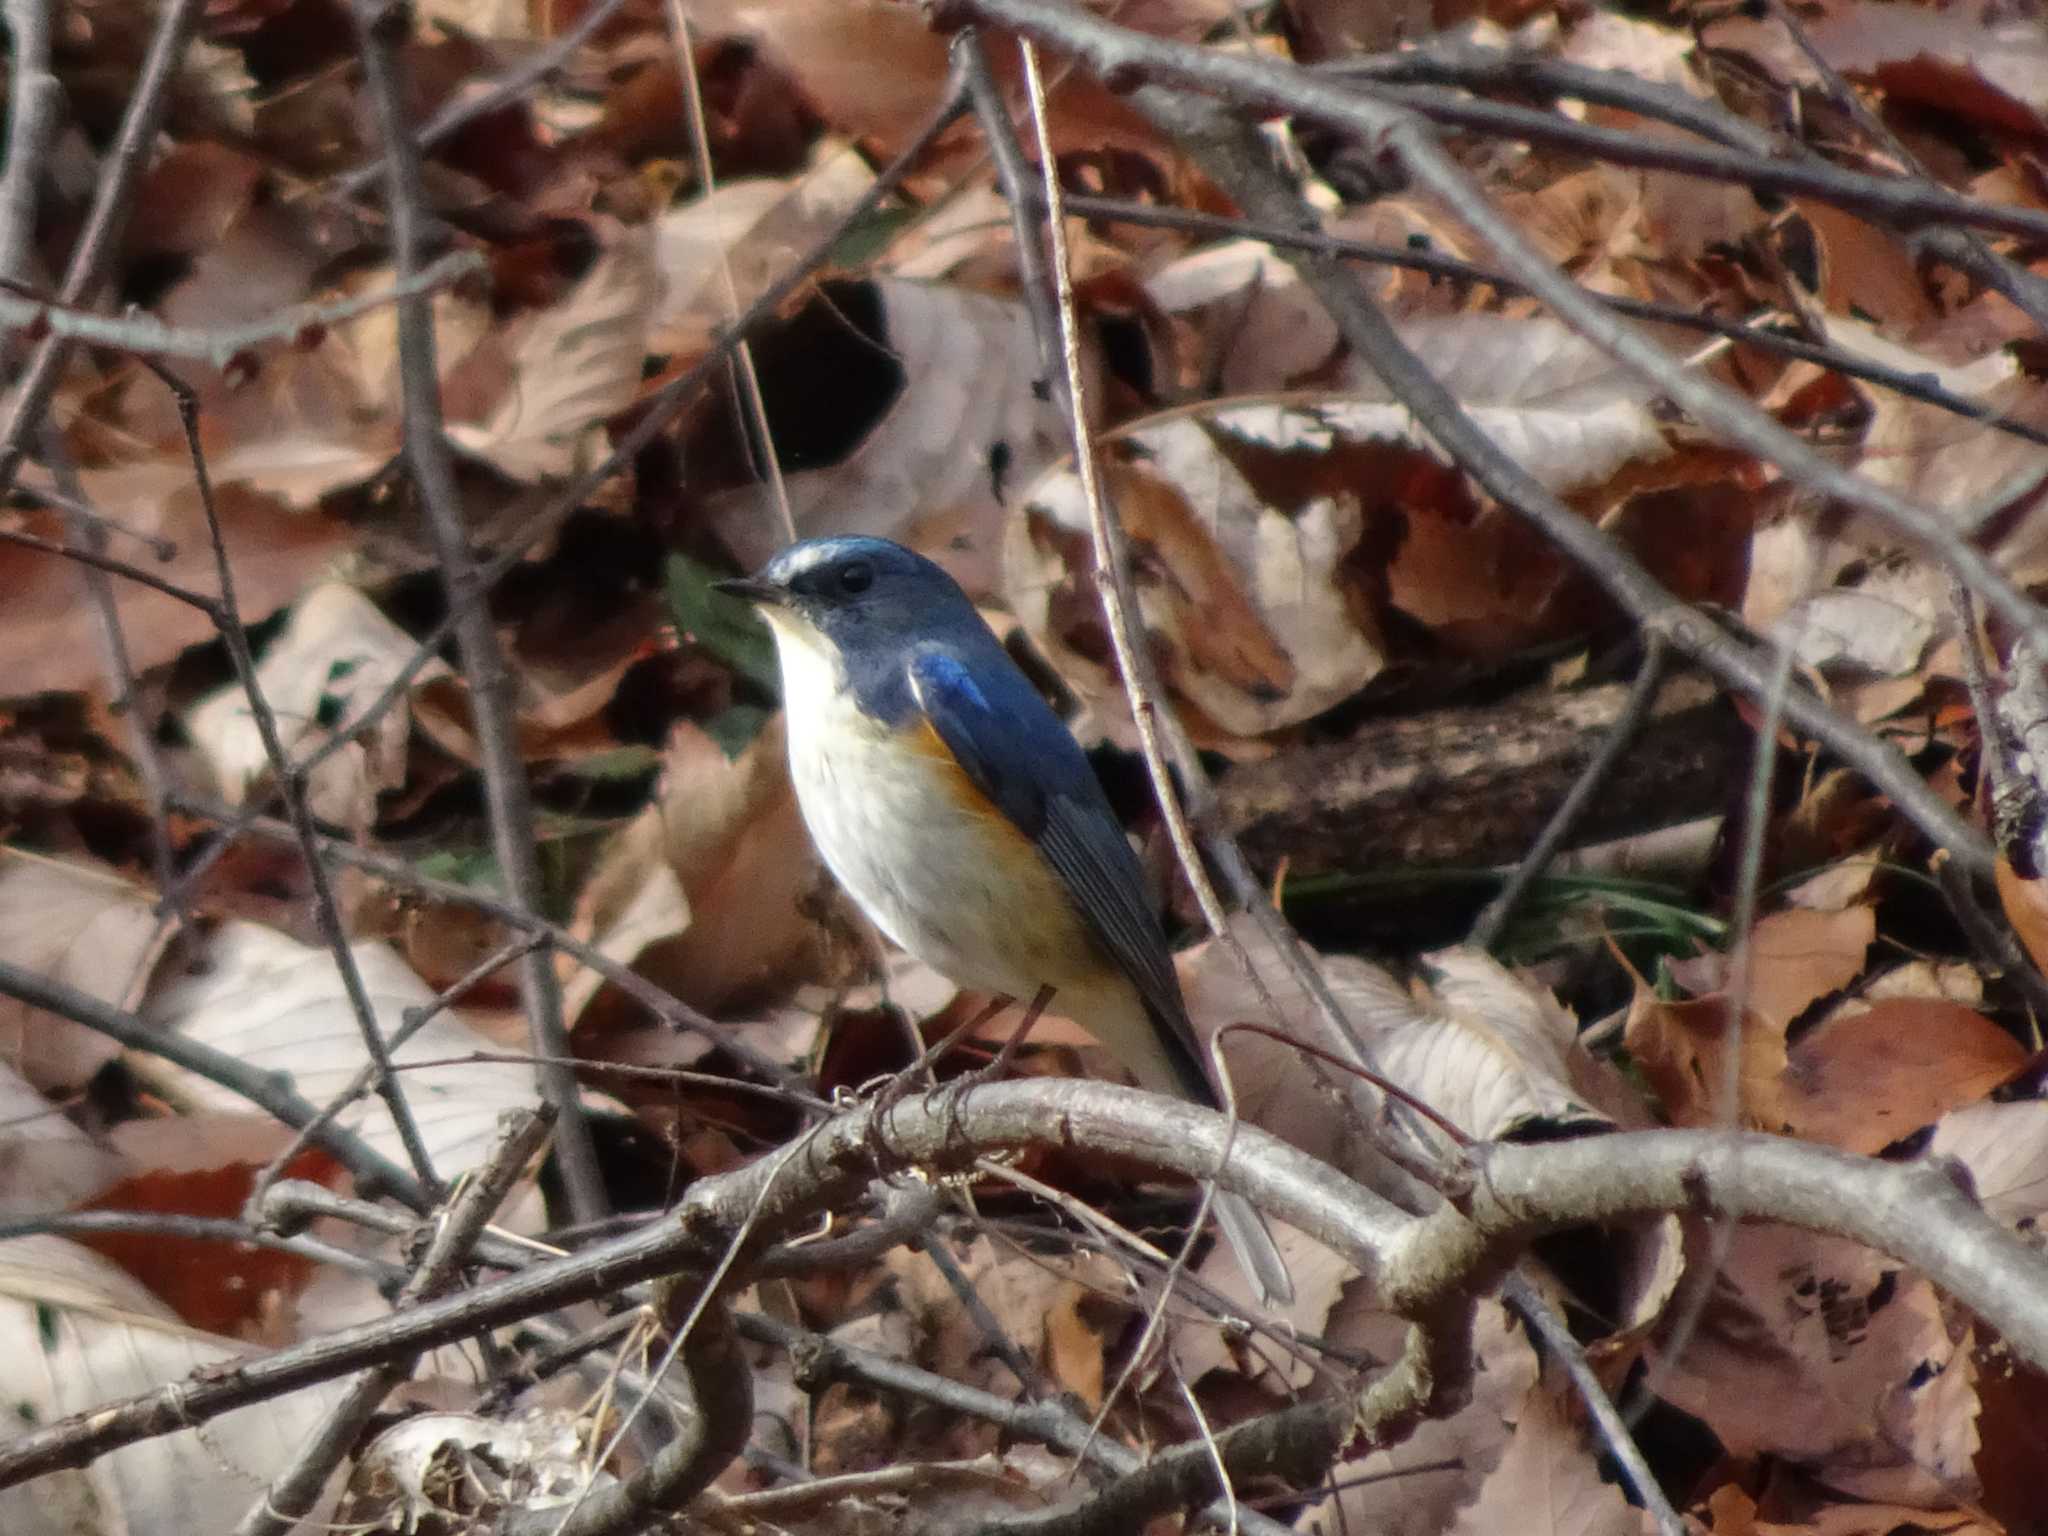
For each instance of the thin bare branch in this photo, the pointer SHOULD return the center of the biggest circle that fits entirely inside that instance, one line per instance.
(1754, 333)
(219, 346)
(1534, 1308)
(506, 790)
(292, 785)
(113, 200)
(35, 102)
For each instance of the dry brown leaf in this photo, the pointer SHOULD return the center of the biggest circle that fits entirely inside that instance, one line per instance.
(239, 1290)
(756, 228)
(1816, 1350)
(1403, 1491)
(1866, 1076)
(560, 699)
(874, 67)
(1682, 1049)
(1734, 1513)
(964, 429)
(1902, 1520)
(1074, 1348)
(1798, 957)
(1548, 1483)
(702, 892)
(577, 363)
(1478, 578)
(870, 66)
(52, 638)
(1878, 278)
(1027, 1297)
(1993, 70)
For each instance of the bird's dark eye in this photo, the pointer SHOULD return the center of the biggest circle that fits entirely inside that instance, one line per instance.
(856, 578)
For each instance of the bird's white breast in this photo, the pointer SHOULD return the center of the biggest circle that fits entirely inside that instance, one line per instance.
(956, 885)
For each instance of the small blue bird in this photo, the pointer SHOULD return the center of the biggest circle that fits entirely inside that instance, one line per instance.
(955, 808)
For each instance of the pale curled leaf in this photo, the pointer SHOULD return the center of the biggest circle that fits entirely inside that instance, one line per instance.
(1563, 409)
(1280, 332)
(46, 1161)
(1661, 55)
(1879, 623)
(756, 228)
(2005, 1147)
(1245, 601)
(280, 1006)
(1985, 481)
(432, 1470)
(82, 924)
(52, 639)
(1483, 1047)
(80, 1332)
(334, 658)
(1244, 516)
(1494, 1055)
(1267, 1078)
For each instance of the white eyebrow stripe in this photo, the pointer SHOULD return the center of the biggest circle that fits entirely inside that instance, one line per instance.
(795, 562)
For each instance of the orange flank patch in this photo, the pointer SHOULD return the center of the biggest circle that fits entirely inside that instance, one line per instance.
(954, 781)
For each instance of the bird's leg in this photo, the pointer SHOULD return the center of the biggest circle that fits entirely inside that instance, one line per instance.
(994, 1071)
(1033, 1012)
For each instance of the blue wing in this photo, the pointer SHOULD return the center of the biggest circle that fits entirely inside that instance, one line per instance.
(1014, 749)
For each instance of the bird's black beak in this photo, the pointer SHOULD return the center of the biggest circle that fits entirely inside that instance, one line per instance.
(752, 589)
